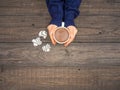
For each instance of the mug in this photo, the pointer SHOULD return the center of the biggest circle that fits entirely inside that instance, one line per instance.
(61, 35)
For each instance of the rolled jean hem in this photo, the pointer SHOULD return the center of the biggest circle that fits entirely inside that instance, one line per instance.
(56, 22)
(69, 23)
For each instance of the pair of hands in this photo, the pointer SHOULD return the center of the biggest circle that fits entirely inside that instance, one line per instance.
(73, 31)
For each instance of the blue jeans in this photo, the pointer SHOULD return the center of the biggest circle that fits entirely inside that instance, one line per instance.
(63, 11)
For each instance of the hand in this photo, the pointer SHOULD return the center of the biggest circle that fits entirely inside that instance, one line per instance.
(73, 31)
(51, 29)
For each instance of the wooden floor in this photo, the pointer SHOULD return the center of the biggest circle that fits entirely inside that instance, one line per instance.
(91, 62)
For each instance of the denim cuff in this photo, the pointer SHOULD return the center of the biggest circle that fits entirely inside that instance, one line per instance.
(56, 22)
(69, 23)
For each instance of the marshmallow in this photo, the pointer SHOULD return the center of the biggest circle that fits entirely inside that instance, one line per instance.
(46, 48)
(36, 42)
(43, 34)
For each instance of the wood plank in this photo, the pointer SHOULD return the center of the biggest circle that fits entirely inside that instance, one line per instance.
(77, 54)
(91, 28)
(60, 78)
(26, 34)
(87, 10)
(24, 21)
(36, 7)
(19, 3)
(81, 21)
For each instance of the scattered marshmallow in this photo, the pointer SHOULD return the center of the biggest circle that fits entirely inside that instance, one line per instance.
(36, 42)
(46, 48)
(43, 34)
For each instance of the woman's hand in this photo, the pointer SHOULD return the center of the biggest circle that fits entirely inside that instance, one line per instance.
(73, 31)
(51, 29)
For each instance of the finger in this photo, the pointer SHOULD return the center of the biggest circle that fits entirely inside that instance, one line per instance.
(70, 40)
(50, 30)
(73, 32)
(66, 44)
(52, 39)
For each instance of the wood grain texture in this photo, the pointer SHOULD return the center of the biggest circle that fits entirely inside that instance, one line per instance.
(81, 21)
(20, 20)
(91, 28)
(59, 78)
(38, 7)
(82, 54)
(92, 62)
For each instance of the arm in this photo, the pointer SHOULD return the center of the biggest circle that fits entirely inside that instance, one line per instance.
(55, 8)
(71, 12)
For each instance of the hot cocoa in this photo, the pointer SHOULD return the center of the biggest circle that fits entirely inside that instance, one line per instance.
(61, 35)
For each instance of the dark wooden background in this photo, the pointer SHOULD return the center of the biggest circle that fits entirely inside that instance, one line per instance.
(91, 62)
